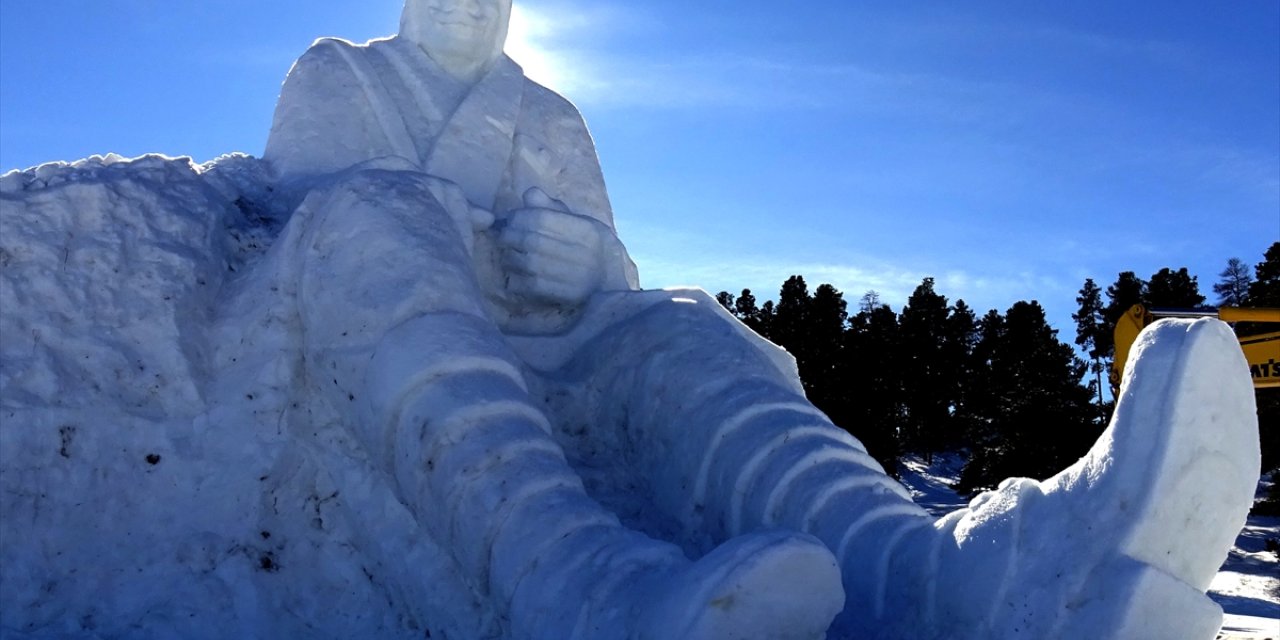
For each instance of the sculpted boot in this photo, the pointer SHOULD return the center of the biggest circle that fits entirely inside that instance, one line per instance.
(1121, 545)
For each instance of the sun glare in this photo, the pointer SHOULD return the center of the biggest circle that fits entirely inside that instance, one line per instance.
(526, 45)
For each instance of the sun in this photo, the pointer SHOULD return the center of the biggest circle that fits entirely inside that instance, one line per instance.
(526, 40)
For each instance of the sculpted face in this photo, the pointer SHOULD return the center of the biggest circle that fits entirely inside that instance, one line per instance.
(461, 35)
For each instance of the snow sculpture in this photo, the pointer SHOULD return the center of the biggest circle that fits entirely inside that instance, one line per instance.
(402, 293)
(716, 421)
(447, 337)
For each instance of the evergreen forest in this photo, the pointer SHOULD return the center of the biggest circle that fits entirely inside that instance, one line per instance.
(1001, 387)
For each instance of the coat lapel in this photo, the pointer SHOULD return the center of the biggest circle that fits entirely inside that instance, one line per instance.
(474, 148)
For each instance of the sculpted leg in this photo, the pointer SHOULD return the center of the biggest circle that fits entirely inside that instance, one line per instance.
(1122, 544)
(729, 445)
(396, 337)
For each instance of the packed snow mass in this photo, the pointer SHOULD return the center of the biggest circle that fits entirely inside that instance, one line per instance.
(397, 378)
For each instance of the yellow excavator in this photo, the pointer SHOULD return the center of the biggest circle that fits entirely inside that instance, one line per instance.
(1261, 350)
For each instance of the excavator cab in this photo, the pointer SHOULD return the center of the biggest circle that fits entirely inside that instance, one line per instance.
(1261, 350)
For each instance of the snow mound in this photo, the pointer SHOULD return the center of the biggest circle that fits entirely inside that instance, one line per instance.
(142, 400)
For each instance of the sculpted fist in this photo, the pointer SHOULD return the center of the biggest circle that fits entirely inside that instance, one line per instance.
(549, 254)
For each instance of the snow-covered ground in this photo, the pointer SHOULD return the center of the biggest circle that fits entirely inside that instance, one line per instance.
(1247, 587)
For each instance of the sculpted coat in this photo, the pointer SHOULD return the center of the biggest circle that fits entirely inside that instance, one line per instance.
(343, 104)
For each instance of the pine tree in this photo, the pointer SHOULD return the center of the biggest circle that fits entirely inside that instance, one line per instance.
(1233, 289)
(1265, 289)
(876, 369)
(988, 388)
(790, 318)
(928, 403)
(1127, 291)
(764, 321)
(869, 302)
(1036, 416)
(823, 369)
(1171, 289)
(745, 306)
(960, 341)
(1090, 329)
(828, 312)
(747, 311)
(1265, 292)
(726, 300)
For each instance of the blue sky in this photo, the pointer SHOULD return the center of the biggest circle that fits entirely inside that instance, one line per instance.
(1008, 148)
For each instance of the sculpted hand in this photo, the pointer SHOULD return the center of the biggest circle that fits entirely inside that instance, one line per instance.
(549, 254)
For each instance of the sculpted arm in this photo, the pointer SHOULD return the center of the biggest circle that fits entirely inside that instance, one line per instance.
(557, 238)
(325, 120)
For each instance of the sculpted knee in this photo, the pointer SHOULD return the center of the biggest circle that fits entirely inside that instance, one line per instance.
(691, 327)
(430, 348)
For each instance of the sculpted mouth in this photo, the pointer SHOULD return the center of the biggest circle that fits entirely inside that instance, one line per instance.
(446, 18)
(475, 26)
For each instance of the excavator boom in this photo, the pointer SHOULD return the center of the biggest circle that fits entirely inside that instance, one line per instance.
(1262, 351)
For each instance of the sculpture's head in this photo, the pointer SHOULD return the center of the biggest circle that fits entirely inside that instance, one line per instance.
(463, 36)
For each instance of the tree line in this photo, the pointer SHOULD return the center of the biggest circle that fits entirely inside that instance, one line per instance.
(1001, 387)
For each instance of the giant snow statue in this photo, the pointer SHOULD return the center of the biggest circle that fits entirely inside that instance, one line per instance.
(485, 256)
(446, 408)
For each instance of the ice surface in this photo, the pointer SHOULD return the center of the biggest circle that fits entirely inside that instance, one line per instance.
(397, 379)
